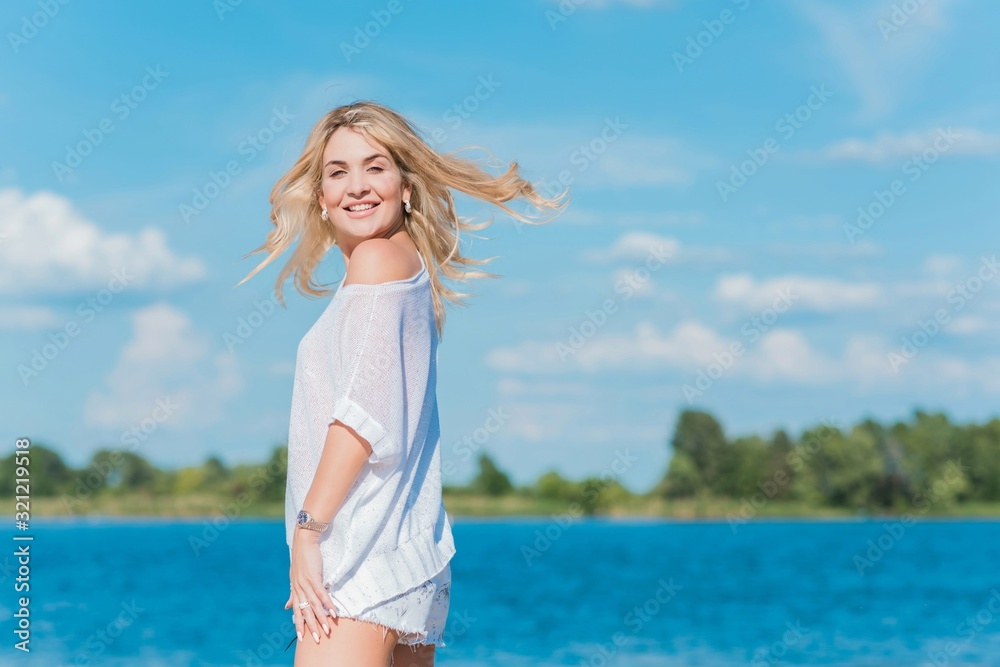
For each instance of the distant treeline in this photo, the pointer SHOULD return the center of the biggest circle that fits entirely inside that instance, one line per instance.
(903, 467)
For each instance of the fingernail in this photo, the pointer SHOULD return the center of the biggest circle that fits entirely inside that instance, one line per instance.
(299, 634)
(315, 636)
(326, 628)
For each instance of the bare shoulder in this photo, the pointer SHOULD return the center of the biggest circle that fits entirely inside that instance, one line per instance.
(380, 260)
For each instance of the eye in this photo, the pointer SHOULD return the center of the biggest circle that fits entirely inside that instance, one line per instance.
(341, 171)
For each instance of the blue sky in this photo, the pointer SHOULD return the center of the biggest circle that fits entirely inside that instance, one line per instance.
(739, 140)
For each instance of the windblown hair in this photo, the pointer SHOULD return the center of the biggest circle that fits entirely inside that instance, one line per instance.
(433, 223)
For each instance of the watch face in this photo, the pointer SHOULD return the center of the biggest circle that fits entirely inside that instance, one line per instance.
(303, 518)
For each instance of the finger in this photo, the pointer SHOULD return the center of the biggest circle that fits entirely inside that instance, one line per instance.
(318, 608)
(330, 604)
(308, 614)
(297, 620)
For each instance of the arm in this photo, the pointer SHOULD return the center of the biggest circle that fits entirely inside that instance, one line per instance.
(344, 456)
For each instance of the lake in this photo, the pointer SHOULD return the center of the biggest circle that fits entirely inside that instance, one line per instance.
(537, 592)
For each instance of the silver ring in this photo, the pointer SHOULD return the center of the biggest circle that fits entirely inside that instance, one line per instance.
(303, 605)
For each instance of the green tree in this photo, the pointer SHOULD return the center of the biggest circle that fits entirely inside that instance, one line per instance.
(745, 467)
(848, 469)
(698, 440)
(216, 473)
(682, 479)
(490, 479)
(48, 474)
(554, 486)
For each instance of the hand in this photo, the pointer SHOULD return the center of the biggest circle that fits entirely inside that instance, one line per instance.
(306, 577)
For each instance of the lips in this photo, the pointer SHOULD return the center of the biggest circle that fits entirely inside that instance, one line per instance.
(367, 204)
(364, 212)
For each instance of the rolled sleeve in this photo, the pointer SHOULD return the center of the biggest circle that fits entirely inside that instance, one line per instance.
(368, 357)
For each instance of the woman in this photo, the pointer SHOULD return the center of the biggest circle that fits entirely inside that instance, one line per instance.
(369, 539)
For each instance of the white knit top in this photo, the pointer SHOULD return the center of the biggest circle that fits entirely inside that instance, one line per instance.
(370, 361)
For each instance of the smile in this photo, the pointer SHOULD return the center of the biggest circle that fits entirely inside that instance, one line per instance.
(361, 210)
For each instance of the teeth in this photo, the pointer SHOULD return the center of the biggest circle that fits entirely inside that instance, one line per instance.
(360, 207)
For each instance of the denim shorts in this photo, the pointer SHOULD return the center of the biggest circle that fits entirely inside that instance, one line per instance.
(418, 615)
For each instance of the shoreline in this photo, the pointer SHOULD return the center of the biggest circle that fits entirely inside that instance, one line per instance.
(523, 518)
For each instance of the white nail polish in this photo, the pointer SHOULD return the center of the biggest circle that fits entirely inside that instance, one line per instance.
(315, 636)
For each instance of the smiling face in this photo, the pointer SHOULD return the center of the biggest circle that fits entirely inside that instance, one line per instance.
(362, 188)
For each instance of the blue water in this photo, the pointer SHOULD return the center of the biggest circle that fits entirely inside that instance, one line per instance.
(595, 593)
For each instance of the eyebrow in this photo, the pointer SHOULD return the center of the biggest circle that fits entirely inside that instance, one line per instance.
(366, 160)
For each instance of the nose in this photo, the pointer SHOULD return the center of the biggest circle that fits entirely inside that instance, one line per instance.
(357, 187)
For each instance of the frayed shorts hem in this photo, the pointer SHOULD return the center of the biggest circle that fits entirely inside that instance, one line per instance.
(418, 615)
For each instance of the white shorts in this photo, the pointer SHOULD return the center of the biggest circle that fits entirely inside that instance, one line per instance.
(418, 615)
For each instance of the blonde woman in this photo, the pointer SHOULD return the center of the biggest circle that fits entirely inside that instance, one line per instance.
(369, 540)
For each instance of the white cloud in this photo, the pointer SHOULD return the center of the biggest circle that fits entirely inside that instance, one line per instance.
(781, 355)
(28, 318)
(827, 251)
(48, 246)
(646, 219)
(970, 325)
(879, 65)
(943, 142)
(636, 247)
(604, 4)
(822, 294)
(165, 360)
(941, 264)
(688, 345)
(645, 161)
(642, 246)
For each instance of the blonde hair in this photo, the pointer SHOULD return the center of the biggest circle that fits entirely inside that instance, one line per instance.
(433, 224)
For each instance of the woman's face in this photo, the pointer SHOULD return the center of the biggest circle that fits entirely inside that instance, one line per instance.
(356, 173)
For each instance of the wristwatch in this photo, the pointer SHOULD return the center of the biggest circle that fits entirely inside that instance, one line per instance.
(305, 520)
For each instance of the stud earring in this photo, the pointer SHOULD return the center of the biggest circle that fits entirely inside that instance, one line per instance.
(324, 215)
(406, 205)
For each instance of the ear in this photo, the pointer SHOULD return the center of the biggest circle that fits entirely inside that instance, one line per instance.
(322, 200)
(407, 192)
